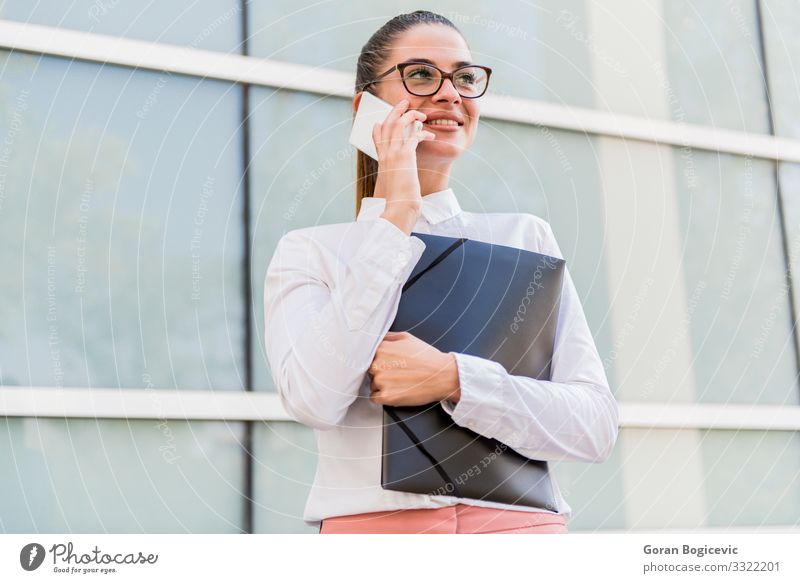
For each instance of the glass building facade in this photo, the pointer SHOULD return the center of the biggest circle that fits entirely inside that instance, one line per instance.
(140, 205)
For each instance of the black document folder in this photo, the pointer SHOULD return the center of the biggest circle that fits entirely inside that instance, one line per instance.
(487, 300)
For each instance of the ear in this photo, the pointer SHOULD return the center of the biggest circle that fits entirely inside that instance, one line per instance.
(356, 101)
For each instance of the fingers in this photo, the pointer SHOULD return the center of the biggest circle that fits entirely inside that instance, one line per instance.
(397, 131)
(379, 136)
(421, 136)
(393, 135)
(376, 137)
(391, 132)
(398, 110)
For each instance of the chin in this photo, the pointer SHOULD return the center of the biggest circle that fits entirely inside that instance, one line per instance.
(443, 148)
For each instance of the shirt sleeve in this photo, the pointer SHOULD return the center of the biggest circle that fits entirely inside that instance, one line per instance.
(321, 333)
(573, 416)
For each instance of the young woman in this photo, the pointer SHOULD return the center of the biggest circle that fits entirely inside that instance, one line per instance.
(332, 291)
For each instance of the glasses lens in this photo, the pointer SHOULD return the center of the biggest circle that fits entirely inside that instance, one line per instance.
(421, 79)
(470, 81)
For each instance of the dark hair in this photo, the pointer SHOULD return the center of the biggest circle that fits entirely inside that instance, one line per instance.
(373, 55)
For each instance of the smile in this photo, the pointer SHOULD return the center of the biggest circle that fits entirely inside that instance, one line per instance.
(444, 124)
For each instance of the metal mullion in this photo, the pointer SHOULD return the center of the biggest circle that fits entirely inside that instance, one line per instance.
(247, 279)
(762, 48)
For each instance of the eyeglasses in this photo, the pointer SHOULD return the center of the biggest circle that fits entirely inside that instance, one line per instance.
(423, 79)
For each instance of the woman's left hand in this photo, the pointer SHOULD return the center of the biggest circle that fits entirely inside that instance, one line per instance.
(409, 371)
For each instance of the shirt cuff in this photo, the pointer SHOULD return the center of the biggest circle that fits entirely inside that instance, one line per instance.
(482, 403)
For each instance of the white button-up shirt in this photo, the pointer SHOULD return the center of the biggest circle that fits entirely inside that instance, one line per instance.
(331, 295)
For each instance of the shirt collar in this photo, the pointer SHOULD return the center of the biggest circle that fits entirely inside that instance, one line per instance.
(436, 206)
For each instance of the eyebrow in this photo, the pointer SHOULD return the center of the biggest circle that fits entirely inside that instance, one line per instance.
(456, 65)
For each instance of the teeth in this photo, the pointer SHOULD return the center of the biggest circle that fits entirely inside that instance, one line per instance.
(442, 122)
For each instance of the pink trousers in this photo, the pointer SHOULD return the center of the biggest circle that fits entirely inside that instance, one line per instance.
(457, 519)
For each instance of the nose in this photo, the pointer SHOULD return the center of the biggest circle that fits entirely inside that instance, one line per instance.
(448, 92)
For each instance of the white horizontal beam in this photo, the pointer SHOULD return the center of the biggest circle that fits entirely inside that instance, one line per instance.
(592, 121)
(266, 406)
(46, 40)
(183, 60)
(141, 404)
(707, 416)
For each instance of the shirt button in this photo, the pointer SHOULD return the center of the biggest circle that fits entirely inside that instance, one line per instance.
(471, 423)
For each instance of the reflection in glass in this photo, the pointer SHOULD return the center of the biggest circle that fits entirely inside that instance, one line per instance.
(202, 24)
(121, 228)
(735, 274)
(117, 476)
(283, 468)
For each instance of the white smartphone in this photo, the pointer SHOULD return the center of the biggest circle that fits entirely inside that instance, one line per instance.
(372, 110)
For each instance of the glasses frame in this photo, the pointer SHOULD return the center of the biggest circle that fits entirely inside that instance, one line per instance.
(444, 75)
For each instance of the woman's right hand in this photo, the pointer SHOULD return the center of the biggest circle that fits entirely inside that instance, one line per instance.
(397, 164)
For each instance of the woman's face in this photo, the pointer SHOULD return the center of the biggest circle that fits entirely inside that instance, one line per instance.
(444, 46)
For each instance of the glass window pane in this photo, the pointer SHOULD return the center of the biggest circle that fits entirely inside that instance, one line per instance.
(138, 476)
(284, 463)
(782, 40)
(735, 275)
(712, 69)
(121, 227)
(710, 478)
(302, 174)
(752, 478)
(595, 492)
(789, 176)
(697, 276)
(202, 24)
